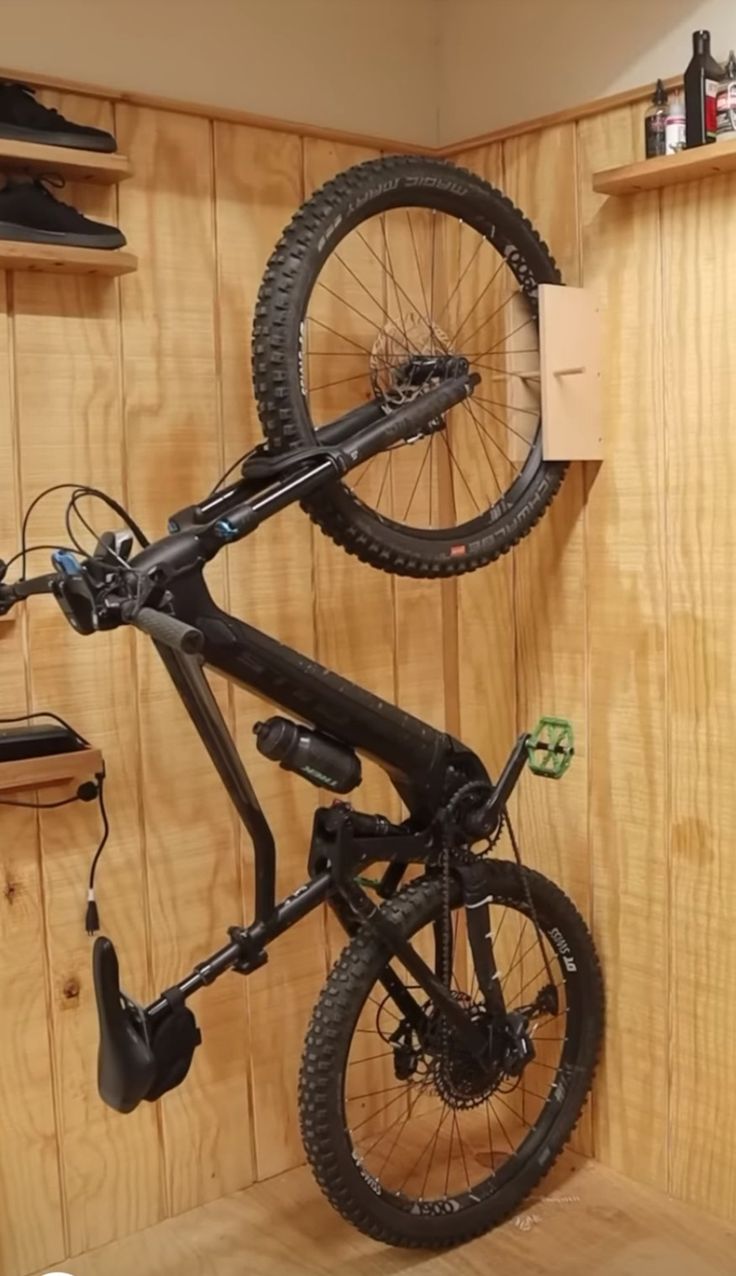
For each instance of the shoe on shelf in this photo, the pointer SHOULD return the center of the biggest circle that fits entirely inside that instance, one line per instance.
(30, 213)
(25, 119)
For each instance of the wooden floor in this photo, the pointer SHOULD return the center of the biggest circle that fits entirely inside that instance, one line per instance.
(588, 1222)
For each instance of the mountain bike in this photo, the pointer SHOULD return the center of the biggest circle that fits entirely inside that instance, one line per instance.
(452, 1048)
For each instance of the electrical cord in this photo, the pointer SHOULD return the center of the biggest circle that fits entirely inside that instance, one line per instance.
(39, 806)
(228, 472)
(31, 549)
(78, 491)
(87, 792)
(47, 713)
(92, 916)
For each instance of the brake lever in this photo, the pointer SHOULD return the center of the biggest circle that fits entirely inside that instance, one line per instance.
(73, 593)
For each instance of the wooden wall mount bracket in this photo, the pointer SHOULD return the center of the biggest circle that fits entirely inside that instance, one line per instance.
(64, 769)
(570, 369)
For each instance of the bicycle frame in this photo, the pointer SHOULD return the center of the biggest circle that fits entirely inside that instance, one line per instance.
(426, 766)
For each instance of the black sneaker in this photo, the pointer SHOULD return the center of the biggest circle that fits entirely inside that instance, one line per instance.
(29, 212)
(26, 120)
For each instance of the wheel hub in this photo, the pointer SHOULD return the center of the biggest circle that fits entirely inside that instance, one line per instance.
(406, 359)
(461, 1078)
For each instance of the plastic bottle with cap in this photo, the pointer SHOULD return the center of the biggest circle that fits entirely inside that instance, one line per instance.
(675, 125)
(655, 123)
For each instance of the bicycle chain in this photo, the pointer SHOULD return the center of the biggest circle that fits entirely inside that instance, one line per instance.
(463, 854)
(450, 850)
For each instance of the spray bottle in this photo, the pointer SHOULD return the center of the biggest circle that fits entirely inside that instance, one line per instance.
(655, 123)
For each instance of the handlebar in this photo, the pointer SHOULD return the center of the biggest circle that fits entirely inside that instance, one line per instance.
(95, 594)
(168, 630)
(157, 624)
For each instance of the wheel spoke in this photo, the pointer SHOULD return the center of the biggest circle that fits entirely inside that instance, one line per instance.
(375, 300)
(426, 1147)
(477, 399)
(363, 472)
(462, 1150)
(416, 484)
(385, 1054)
(349, 305)
(472, 258)
(495, 350)
(374, 1094)
(383, 480)
(433, 1141)
(477, 302)
(392, 276)
(487, 453)
(327, 385)
(511, 407)
(492, 316)
(335, 333)
(460, 472)
(427, 311)
(491, 439)
(382, 1006)
(372, 1115)
(390, 273)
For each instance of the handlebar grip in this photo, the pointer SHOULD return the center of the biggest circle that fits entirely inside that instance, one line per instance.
(168, 630)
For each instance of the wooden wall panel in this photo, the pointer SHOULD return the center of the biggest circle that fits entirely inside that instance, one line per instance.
(31, 1203)
(259, 184)
(699, 326)
(626, 599)
(616, 612)
(485, 611)
(551, 638)
(416, 262)
(69, 403)
(174, 453)
(354, 603)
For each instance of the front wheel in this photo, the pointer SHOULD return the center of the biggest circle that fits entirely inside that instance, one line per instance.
(392, 278)
(410, 1139)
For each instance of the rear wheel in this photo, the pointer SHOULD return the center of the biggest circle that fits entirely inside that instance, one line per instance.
(396, 275)
(411, 1139)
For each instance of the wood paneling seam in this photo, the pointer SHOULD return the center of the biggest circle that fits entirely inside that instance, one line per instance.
(49, 990)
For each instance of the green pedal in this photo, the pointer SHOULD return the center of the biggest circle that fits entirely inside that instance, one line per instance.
(551, 747)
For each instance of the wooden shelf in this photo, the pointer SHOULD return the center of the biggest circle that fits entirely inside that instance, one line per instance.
(15, 255)
(688, 166)
(80, 166)
(69, 769)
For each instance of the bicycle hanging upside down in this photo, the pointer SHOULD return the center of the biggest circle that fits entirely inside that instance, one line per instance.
(453, 1046)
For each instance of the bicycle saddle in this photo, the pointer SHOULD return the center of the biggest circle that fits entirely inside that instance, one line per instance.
(126, 1066)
